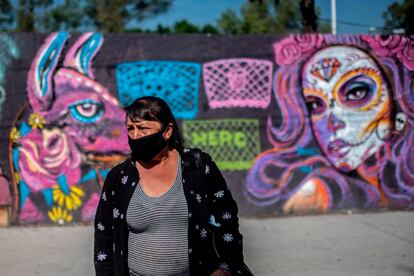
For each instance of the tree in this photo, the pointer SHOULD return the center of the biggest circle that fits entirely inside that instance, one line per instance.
(72, 15)
(309, 18)
(400, 15)
(229, 23)
(257, 18)
(6, 15)
(263, 16)
(288, 17)
(209, 29)
(117, 15)
(26, 14)
(163, 30)
(183, 26)
(68, 16)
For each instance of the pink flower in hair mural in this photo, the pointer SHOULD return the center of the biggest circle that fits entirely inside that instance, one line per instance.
(393, 45)
(292, 48)
(67, 137)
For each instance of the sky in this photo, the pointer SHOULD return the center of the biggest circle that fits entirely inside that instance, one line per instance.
(364, 13)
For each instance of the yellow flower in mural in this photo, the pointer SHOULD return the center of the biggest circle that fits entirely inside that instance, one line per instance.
(59, 215)
(17, 177)
(15, 135)
(36, 120)
(71, 199)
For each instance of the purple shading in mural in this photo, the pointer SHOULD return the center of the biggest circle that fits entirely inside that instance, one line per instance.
(353, 96)
(241, 82)
(68, 136)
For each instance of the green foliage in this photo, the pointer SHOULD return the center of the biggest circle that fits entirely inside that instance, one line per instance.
(72, 15)
(400, 15)
(6, 15)
(163, 30)
(67, 16)
(183, 26)
(262, 17)
(288, 17)
(256, 17)
(209, 29)
(116, 15)
(229, 23)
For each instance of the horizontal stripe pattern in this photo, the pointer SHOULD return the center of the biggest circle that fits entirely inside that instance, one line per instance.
(158, 241)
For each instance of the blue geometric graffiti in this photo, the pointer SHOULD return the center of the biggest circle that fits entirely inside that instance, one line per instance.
(175, 82)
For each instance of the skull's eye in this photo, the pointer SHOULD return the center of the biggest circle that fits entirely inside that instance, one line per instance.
(357, 92)
(316, 105)
(87, 111)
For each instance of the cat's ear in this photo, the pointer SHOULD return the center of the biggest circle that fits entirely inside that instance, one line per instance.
(40, 90)
(81, 54)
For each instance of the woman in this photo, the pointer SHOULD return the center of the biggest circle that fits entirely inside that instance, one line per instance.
(353, 96)
(166, 210)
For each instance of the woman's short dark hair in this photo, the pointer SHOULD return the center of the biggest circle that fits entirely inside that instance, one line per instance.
(152, 108)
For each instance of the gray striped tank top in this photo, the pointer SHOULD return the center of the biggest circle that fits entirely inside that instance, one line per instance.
(157, 241)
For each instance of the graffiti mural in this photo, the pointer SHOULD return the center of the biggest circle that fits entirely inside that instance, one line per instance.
(238, 82)
(350, 98)
(175, 82)
(8, 52)
(233, 143)
(297, 124)
(67, 137)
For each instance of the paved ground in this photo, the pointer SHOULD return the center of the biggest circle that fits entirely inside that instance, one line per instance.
(362, 244)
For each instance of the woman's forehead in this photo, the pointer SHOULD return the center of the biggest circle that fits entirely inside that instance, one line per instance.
(142, 122)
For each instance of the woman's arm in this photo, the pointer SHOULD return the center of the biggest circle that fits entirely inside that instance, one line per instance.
(224, 219)
(103, 245)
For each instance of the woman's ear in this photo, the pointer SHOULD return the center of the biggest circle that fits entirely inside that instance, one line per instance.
(168, 131)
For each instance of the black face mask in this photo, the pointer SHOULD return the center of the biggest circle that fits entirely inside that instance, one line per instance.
(147, 147)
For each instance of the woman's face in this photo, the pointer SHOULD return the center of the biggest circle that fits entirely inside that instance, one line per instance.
(349, 104)
(140, 128)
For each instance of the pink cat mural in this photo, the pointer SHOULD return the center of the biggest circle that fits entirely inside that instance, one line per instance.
(67, 137)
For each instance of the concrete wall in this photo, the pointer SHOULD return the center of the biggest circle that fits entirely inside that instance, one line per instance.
(297, 124)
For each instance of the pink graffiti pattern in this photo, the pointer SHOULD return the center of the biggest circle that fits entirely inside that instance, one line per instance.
(76, 125)
(238, 83)
(47, 154)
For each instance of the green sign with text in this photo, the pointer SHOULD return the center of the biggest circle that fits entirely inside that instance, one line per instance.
(233, 143)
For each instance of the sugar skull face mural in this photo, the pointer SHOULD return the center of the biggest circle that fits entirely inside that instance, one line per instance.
(345, 139)
(349, 104)
(64, 142)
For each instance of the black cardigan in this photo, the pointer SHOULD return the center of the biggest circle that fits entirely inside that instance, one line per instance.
(214, 240)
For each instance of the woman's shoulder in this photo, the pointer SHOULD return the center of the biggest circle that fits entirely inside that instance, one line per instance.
(118, 167)
(197, 153)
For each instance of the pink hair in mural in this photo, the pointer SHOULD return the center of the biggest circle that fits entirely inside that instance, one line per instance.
(241, 82)
(66, 140)
(345, 138)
